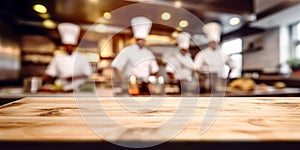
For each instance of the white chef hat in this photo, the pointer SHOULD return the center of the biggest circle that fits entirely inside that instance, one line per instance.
(69, 33)
(213, 31)
(141, 27)
(183, 40)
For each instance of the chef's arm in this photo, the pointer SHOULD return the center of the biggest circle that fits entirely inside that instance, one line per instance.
(117, 74)
(230, 64)
(154, 74)
(199, 63)
(71, 78)
(154, 68)
(185, 64)
(171, 75)
(229, 72)
(48, 79)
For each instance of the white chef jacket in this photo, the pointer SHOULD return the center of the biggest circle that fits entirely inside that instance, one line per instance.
(63, 66)
(135, 61)
(181, 66)
(212, 61)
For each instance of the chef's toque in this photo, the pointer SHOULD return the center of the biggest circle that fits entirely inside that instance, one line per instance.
(213, 31)
(183, 40)
(69, 33)
(141, 27)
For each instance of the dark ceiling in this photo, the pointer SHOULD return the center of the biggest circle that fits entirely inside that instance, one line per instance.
(20, 15)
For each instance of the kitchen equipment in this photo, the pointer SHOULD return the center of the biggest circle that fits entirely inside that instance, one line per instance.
(205, 83)
(156, 85)
(32, 84)
(133, 86)
(12, 90)
(190, 87)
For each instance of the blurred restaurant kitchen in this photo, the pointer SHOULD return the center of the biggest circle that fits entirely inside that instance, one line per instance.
(260, 36)
(254, 97)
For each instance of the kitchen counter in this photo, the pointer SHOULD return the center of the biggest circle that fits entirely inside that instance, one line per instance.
(291, 81)
(107, 92)
(17, 92)
(268, 91)
(52, 119)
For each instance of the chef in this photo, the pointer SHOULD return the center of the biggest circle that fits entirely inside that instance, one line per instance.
(212, 60)
(180, 65)
(136, 60)
(72, 68)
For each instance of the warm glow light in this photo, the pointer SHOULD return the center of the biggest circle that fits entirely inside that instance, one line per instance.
(174, 34)
(234, 21)
(165, 16)
(94, 1)
(107, 15)
(157, 39)
(178, 4)
(106, 47)
(92, 57)
(39, 8)
(49, 24)
(45, 15)
(178, 28)
(183, 23)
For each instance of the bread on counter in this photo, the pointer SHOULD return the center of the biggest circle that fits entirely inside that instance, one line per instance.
(244, 84)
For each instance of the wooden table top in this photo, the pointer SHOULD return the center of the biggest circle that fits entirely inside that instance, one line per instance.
(240, 118)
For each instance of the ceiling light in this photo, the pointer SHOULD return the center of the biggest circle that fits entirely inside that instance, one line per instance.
(177, 4)
(234, 21)
(94, 1)
(107, 15)
(39, 8)
(49, 24)
(183, 23)
(165, 16)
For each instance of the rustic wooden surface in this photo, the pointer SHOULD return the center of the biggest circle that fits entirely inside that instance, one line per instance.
(58, 119)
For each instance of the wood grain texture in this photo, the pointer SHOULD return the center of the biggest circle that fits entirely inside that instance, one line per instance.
(59, 119)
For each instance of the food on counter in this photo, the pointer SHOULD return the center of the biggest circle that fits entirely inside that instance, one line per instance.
(51, 88)
(263, 87)
(279, 85)
(87, 87)
(134, 90)
(172, 89)
(244, 84)
(56, 87)
(156, 89)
